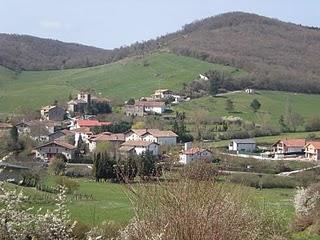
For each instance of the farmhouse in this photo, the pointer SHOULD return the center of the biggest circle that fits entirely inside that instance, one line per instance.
(37, 130)
(52, 149)
(190, 154)
(289, 146)
(134, 110)
(152, 106)
(312, 151)
(53, 113)
(162, 94)
(152, 135)
(243, 145)
(140, 147)
(115, 139)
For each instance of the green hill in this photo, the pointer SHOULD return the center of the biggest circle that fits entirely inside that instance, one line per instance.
(273, 104)
(133, 77)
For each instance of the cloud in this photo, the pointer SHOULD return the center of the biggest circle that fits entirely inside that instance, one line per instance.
(51, 24)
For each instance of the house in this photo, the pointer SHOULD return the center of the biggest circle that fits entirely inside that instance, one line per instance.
(61, 135)
(152, 135)
(152, 106)
(134, 110)
(5, 128)
(53, 113)
(84, 133)
(49, 150)
(79, 104)
(203, 77)
(190, 154)
(249, 91)
(312, 151)
(162, 94)
(289, 146)
(242, 145)
(87, 123)
(37, 130)
(116, 139)
(140, 147)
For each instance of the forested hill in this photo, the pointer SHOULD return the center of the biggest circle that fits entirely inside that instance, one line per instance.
(279, 55)
(22, 52)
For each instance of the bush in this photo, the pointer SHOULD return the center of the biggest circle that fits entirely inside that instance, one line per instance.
(312, 124)
(198, 210)
(199, 170)
(68, 183)
(57, 165)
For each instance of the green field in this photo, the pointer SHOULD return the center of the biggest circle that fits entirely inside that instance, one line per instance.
(133, 77)
(273, 104)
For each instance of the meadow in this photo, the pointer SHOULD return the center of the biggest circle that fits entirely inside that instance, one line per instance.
(129, 78)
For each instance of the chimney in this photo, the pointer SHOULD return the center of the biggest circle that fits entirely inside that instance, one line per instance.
(187, 146)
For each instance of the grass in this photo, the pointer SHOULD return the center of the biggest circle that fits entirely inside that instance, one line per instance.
(269, 140)
(273, 105)
(134, 77)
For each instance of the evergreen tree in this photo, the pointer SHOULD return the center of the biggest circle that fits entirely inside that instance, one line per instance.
(255, 105)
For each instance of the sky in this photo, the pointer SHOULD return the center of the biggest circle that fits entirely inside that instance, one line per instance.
(114, 23)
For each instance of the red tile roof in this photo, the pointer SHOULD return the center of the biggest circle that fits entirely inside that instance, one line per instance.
(154, 132)
(108, 137)
(92, 123)
(316, 145)
(292, 142)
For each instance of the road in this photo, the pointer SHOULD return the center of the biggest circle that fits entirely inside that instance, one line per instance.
(286, 174)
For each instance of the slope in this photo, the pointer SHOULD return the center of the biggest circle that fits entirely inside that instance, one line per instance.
(134, 77)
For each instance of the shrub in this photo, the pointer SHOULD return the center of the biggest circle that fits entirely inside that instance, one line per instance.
(68, 183)
(57, 165)
(198, 210)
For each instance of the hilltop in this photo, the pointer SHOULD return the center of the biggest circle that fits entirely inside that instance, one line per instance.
(23, 52)
(278, 55)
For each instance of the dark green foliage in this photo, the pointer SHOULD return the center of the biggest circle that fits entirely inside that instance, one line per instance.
(215, 79)
(103, 167)
(131, 101)
(179, 127)
(229, 105)
(116, 127)
(255, 105)
(147, 166)
(312, 124)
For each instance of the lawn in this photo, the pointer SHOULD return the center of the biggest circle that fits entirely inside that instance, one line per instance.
(273, 104)
(135, 77)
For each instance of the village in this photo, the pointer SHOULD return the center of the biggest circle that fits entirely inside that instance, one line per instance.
(75, 134)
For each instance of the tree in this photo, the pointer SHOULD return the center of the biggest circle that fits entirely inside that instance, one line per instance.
(57, 165)
(13, 141)
(70, 97)
(255, 105)
(283, 125)
(103, 166)
(146, 165)
(313, 124)
(215, 79)
(179, 127)
(229, 107)
(131, 101)
(292, 119)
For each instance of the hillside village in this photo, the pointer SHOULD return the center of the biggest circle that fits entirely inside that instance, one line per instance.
(210, 132)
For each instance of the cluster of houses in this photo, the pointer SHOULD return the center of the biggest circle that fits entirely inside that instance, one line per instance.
(295, 149)
(156, 104)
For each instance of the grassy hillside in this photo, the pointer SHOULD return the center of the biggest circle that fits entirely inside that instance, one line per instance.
(272, 105)
(133, 77)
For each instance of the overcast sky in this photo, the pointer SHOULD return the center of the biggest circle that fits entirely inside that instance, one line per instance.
(112, 23)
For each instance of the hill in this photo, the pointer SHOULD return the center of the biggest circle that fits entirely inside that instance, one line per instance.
(22, 52)
(280, 56)
(132, 77)
(273, 104)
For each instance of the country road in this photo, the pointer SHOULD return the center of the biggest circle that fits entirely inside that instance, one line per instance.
(286, 174)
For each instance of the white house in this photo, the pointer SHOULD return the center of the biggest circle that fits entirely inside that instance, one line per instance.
(162, 94)
(312, 151)
(243, 145)
(152, 135)
(289, 146)
(203, 77)
(190, 154)
(140, 147)
(84, 133)
(152, 106)
(51, 149)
